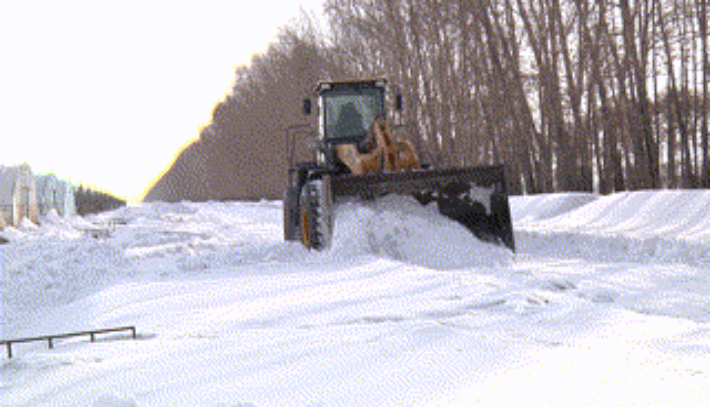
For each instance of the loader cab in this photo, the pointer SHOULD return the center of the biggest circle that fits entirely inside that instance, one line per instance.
(348, 109)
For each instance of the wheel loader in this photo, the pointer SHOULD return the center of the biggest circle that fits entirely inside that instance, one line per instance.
(354, 154)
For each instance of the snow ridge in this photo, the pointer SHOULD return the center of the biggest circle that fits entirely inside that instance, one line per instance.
(648, 227)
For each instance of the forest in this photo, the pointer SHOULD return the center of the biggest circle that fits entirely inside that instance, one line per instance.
(597, 96)
(89, 200)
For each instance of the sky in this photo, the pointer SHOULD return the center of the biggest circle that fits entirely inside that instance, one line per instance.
(106, 93)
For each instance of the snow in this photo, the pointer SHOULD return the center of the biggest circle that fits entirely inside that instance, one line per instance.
(649, 227)
(605, 303)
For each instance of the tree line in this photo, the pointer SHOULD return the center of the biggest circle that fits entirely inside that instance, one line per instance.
(90, 201)
(596, 96)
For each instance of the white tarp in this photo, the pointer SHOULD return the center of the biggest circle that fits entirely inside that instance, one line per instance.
(47, 193)
(25, 198)
(55, 194)
(7, 190)
(24, 195)
(67, 199)
(18, 195)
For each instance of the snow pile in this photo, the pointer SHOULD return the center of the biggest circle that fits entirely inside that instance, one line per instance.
(188, 238)
(402, 229)
(50, 265)
(532, 208)
(663, 226)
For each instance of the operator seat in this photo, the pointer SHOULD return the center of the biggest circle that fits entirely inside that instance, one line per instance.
(349, 122)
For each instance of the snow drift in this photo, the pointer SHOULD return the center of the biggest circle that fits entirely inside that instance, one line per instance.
(406, 308)
(651, 226)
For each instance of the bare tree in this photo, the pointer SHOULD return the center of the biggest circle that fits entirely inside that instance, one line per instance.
(603, 95)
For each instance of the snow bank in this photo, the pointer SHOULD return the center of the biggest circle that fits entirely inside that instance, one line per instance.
(400, 228)
(63, 260)
(647, 226)
(531, 208)
(50, 265)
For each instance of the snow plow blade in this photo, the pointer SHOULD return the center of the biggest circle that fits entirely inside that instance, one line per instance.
(475, 197)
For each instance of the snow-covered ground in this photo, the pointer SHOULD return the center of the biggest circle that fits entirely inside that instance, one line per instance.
(606, 303)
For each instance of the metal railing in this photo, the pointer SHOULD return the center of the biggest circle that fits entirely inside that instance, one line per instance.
(51, 338)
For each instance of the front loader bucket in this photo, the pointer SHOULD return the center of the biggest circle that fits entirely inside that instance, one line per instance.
(487, 216)
(475, 196)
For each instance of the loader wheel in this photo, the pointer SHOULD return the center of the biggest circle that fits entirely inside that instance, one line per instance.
(291, 213)
(315, 215)
(304, 222)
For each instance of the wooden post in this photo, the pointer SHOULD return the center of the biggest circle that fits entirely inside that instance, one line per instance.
(9, 350)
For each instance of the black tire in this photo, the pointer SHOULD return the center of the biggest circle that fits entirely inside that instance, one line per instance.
(305, 219)
(315, 214)
(291, 214)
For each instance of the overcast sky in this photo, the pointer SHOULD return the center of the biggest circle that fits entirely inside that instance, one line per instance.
(106, 92)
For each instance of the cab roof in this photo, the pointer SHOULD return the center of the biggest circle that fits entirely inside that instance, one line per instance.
(351, 84)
